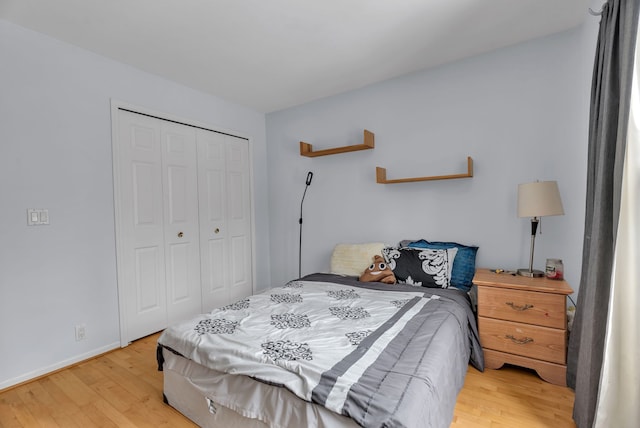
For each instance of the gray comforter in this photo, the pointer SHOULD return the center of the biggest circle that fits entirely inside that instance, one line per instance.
(406, 371)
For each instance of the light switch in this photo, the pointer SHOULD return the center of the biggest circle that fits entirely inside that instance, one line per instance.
(37, 216)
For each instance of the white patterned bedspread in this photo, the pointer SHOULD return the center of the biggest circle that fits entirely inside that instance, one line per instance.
(292, 335)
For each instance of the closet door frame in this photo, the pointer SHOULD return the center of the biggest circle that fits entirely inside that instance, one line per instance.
(117, 105)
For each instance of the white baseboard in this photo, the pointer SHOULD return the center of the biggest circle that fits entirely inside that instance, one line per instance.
(60, 365)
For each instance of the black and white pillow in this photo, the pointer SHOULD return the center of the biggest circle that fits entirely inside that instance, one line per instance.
(421, 267)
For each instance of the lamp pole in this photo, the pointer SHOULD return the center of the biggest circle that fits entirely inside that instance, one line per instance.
(308, 182)
(532, 273)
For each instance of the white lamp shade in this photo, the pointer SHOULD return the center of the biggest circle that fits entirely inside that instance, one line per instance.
(539, 199)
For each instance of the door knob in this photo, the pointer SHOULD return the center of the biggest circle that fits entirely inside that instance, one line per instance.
(180, 234)
(217, 230)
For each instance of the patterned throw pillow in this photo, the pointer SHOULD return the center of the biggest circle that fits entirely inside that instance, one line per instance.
(464, 265)
(421, 267)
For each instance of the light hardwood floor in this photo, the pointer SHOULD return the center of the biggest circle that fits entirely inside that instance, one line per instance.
(124, 389)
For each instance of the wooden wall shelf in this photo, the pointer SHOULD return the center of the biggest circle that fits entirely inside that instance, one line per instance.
(306, 149)
(381, 175)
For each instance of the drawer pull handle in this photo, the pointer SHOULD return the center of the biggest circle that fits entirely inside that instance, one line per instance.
(519, 341)
(519, 308)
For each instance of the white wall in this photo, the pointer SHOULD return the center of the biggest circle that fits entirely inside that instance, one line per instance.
(520, 112)
(55, 136)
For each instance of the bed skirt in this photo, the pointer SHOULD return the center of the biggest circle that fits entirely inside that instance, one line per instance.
(213, 399)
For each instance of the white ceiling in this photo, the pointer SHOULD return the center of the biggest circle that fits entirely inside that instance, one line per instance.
(274, 54)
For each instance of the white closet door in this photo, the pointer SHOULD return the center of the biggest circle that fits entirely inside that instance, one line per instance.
(140, 224)
(182, 252)
(225, 219)
(239, 220)
(155, 170)
(214, 257)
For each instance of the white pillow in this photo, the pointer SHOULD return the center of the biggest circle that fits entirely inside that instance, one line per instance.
(353, 259)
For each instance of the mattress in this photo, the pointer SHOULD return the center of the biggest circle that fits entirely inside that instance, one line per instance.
(214, 399)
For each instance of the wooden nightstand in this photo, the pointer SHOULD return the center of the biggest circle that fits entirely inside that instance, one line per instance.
(523, 321)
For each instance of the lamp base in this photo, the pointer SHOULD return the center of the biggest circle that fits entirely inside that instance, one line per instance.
(530, 273)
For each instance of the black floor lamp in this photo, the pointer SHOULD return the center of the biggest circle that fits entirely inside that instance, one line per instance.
(308, 182)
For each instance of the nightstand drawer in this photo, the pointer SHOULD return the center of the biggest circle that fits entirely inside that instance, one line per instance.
(541, 343)
(528, 307)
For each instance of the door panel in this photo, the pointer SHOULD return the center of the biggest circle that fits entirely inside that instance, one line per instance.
(177, 271)
(225, 220)
(141, 273)
(239, 212)
(178, 198)
(148, 273)
(145, 206)
(215, 283)
(215, 195)
(236, 211)
(238, 251)
(214, 257)
(181, 238)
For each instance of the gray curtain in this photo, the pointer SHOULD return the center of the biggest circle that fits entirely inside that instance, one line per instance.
(610, 99)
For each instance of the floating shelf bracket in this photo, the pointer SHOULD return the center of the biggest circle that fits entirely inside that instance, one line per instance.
(381, 175)
(306, 149)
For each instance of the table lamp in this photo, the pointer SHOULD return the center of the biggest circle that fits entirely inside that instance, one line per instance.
(535, 200)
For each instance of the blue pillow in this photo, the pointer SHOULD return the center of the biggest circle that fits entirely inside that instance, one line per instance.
(464, 264)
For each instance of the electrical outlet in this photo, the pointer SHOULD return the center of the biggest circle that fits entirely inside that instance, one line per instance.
(81, 332)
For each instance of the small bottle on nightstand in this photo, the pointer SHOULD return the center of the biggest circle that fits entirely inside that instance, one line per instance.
(554, 269)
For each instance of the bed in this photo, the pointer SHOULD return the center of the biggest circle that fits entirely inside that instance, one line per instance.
(324, 350)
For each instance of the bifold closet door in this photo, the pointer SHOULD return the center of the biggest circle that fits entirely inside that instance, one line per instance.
(225, 219)
(181, 231)
(155, 174)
